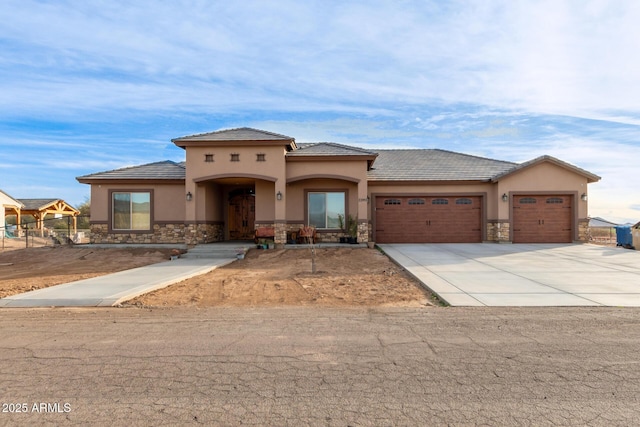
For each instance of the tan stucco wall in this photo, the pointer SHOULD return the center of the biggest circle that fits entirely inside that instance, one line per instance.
(356, 170)
(545, 178)
(326, 175)
(168, 200)
(272, 171)
(266, 201)
(434, 189)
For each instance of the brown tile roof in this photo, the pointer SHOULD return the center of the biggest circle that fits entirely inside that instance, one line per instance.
(434, 165)
(158, 171)
(387, 165)
(328, 149)
(238, 134)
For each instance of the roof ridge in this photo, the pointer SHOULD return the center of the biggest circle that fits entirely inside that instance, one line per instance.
(307, 145)
(451, 152)
(351, 147)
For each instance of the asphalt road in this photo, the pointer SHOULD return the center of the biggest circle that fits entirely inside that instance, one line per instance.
(309, 366)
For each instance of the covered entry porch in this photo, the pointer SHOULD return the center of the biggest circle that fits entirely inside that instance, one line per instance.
(231, 208)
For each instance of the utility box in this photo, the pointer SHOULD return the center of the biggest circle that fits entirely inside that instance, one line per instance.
(623, 236)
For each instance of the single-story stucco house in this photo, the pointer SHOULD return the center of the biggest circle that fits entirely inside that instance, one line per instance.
(235, 181)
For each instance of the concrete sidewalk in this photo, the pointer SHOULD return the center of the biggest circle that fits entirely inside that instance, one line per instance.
(115, 288)
(519, 275)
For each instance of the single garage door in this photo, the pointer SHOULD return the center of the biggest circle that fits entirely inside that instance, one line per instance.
(441, 219)
(542, 219)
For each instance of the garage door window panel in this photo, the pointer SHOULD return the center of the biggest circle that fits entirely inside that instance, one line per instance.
(325, 209)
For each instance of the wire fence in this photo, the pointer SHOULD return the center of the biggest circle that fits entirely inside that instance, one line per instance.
(52, 232)
(603, 236)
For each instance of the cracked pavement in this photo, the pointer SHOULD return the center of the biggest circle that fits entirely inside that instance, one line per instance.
(320, 366)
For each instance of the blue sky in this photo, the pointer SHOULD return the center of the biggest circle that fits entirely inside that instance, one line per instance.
(87, 86)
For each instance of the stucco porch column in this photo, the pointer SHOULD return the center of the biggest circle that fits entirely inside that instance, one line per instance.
(280, 223)
(191, 197)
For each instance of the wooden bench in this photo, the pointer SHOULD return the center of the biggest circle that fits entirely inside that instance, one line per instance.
(264, 233)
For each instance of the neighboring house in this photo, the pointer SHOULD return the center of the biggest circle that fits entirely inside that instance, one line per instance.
(234, 181)
(635, 233)
(8, 206)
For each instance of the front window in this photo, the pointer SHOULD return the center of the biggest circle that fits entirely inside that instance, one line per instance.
(325, 209)
(132, 211)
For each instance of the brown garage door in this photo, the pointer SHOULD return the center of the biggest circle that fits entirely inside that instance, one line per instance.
(542, 219)
(442, 219)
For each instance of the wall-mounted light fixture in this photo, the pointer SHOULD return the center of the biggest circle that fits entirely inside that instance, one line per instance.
(189, 196)
(584, 197)
(279, 195)
(505, 198)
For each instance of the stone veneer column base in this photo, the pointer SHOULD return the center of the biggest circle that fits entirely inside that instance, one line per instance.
(363, 232)
(498, 231)
(583, 230)
(280, 233)
(190, 234)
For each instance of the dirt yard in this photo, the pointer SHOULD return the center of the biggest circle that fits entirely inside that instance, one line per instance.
(23, 270)
(344, 277)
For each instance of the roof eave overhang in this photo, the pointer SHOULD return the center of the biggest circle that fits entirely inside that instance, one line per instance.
(378, 181)
(130, 181)
(330, 158)
(289, 144)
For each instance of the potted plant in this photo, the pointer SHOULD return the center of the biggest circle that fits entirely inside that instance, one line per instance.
(343, 239)
(240, 253)
(352, 229)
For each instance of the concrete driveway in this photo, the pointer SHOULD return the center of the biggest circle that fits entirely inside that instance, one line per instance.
(524, 275)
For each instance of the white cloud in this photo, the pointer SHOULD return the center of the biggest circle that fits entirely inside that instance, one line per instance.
(550, 56)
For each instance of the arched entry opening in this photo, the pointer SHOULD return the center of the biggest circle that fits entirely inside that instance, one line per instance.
(234, 206)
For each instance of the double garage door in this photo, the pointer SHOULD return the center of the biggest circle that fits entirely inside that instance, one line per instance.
(459, 219)
(428, 219)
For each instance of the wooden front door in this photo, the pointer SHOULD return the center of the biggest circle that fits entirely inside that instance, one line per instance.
(242, 215)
